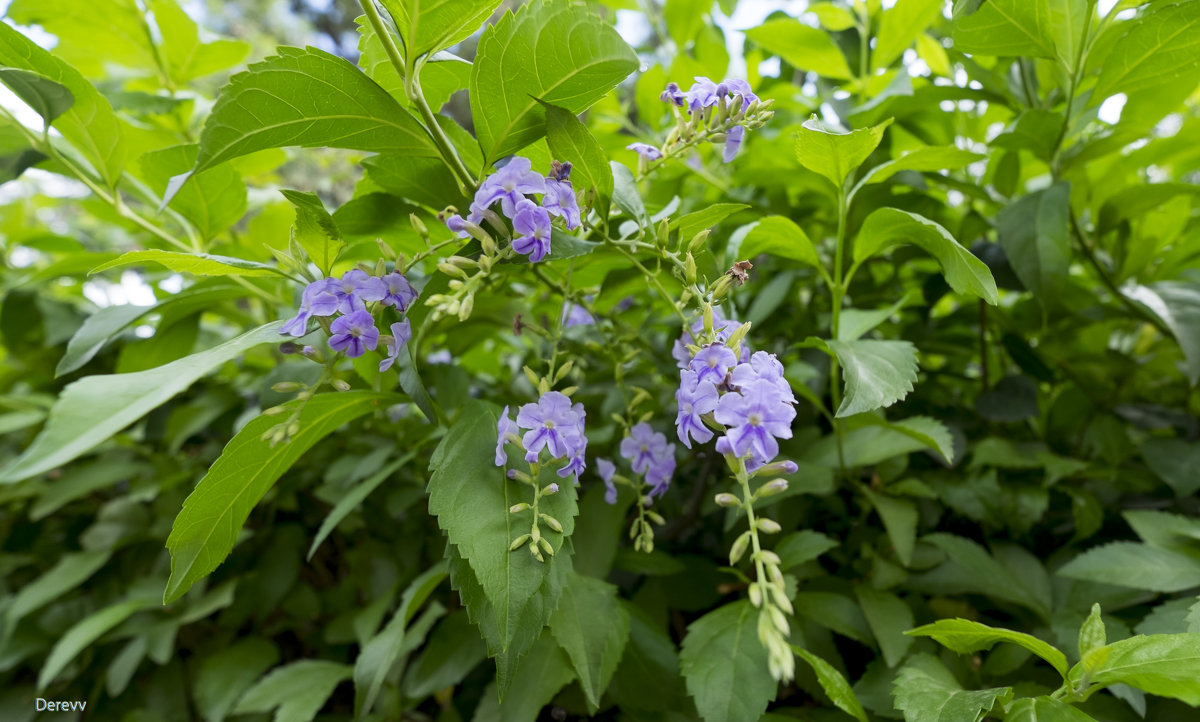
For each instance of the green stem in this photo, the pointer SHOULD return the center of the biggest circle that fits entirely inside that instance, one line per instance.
(838, 291)
(412, 89)
(760, 574)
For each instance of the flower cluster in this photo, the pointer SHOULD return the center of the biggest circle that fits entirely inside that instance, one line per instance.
(513, 186)
(353, 330)
(552, 424)
(722, 330)
(717, 112)
(652, 460)
(752, 400)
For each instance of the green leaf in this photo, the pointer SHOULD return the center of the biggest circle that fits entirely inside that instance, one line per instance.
(569, 140)
(81, 636)
(1174, 461)
(314, 229)
(889, 618)
(423, 180)
(510, 595)
(802, 546)
(888, 227)
(16, 154)
(594, 646)
(48, 98)
(92, 409)
(1035, 233)
(355, 497)
(648, 676)
(964, 636)
(71, 570)
(1034, 130)
(1160, 50)
(779, 236)
(81, 480)
(975, 569)
(568, 57)
(834, 611)
(226, 674)
(834, 684)
(900, 27)
(725, 666)
(1006, 27)
(90, 125)
(213, 201)
(108, 322)
(1044, 709)
(925, 159)
(207, 526)
(1177, 303)
(878, 373)
(802, 46)
(1167, 665)
(307, 98)
(454, 649)
(544, 672)
(378, 655)
(927, 692)
(188, 58)
(625, 194)
(684, 19)
(836, 155)
(692, 223)
(299, 690)
(1140, 566)
(200, 264)
(899, 518)
(930, 432)
(427, 26)
(1091, 633)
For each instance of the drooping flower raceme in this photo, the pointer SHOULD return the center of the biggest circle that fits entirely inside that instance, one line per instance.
(353, 296)
(515, 187)
(641, 446)
(719, 112)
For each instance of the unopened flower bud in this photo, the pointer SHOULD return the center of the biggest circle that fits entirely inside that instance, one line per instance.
(546, 547)
(656, 517)
(512, 473)
(340, 385)
(771, 488)
(551, 489)
(698, 240)
(451, 270)
(769, 526)
(551, 522)
(776, 467)
(518, 508)
(756, 595)
(689, 268)
(727, 500)
(518, 542)
(721, 288)
(418, 225)
(739, 548)
(293, 428)
(275, 411)
(468, 305)
(286, 387)
(287, 348)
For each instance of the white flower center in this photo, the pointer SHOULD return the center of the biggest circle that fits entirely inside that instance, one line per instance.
(549, 424)
(755, 419)
(687, 409)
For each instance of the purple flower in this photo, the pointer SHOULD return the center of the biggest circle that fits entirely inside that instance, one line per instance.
(722, 329)
(641, 446)
(712, 362)
(645, 150)
(763, 368)
(355, 289)
(317, 300)
(578, 462)
(661, 469)
(354, 333)
(733, 142)
(606, 469)
(532, 224)
(702, 94)
(439, 357)
(575, 315)
(553, 425)
(695, 399)
(504, 427)
(738, 86)
(399, 293)
(401, 334)
(755, 418)
(509, 186)
(457, 225)
(560, 201)
(672, 94)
